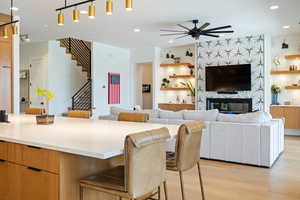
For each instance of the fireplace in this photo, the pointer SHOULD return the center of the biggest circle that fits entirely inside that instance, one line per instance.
(229, 105)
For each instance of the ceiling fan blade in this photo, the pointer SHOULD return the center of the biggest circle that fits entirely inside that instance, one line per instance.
(172, 34)
(218, 31)
(166, 30)
(210, 35)
(183, 27)
(204, 26)
(217, 28)
(182, 36)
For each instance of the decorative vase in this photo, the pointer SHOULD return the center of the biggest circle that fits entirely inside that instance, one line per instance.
(193, 99)
(45, 119)
(191, 72)
(275, 99)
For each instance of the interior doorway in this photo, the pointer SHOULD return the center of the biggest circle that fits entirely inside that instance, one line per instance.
(144, 95)
(24, 90)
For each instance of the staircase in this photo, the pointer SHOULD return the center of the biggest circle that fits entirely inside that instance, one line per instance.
(80, 52)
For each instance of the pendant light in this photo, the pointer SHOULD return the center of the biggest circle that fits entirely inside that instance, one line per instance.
(14, 29)
(92, 11)
(109, 7)
(128, 5)
(76, 17)
(5, 33)
(60, 19)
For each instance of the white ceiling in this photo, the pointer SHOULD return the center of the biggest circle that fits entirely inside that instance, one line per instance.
(38, 19)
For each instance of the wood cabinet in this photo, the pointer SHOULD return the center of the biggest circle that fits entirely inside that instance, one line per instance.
(3, 150)
(290, 113)
(176, 107)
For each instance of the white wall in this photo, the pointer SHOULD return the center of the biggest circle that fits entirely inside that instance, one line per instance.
(60, 74)
(105, 59)
(283, 80)
(16, 71)
(64, 78)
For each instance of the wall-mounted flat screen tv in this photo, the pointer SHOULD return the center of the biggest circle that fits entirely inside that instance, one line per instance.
(228, 78)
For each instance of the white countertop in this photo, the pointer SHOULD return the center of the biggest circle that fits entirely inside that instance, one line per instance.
(93, 138)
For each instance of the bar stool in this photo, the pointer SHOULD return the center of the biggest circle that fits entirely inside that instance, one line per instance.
(187, 152)
(144, 170)
(79, 114)
(133, 117)
(35, 111)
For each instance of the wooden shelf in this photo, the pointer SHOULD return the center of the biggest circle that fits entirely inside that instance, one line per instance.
(292, 57)
(182, 76)
(174, 89)
(175, 65)
(285, 72)
(291, 87)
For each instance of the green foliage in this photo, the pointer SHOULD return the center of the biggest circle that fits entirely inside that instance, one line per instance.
(275, 89)
(190, 86)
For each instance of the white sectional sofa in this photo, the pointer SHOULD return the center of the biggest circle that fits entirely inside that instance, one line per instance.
(252, 138)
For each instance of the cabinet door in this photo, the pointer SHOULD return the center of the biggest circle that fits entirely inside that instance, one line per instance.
(10, 181)
(39, 185)
(3, 150)
(277, 111)
(292, 117)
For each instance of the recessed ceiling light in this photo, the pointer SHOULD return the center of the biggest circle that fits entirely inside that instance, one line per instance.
(84, 12)
(14, 8)
(274, 7)
(286, 27)
(137, 30)
(171, 41)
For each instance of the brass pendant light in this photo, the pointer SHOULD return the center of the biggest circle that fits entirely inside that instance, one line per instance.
(14, 29)
(92, 11)
(109, 7)
(5, 32)
(128, 4)
(76, 17)
(60, 19)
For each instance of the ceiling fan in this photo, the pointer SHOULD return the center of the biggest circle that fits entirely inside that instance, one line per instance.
(197, 31)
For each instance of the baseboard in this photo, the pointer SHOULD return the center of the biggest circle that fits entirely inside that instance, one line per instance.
(292, 132)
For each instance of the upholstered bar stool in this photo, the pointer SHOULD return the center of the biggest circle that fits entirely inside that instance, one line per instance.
(35, 111)
(187, 152)
(133, 117)
(79, 114)
(144, 170)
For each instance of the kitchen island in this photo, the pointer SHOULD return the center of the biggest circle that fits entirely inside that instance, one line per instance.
(47, 161)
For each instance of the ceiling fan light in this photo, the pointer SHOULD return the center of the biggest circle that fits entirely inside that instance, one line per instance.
(109, 7)
(60, 19)
(76, 17)
(92, 11)
(128, 5)
(14, 29)
(5, 33)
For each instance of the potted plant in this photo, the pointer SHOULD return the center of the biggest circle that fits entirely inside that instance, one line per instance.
(45, 118)
(275, 90)
(165, 83)
(191, 88)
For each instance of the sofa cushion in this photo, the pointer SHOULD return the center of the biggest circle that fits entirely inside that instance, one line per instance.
(255, 117)
(165, 114)
(154, 114)
(206, 115)
(114, 110)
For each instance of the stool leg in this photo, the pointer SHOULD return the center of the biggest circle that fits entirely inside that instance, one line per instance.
(81, 193)
(159, 193)
(181, 184)
(166, 190)
(201, 181)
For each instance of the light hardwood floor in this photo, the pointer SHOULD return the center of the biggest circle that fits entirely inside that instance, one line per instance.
(226, 181)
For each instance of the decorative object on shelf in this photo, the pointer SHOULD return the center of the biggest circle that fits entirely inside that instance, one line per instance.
(189, 53)
(167, 56)
(293, 67)
(177, 60)
(91, 9)
(165, 83)
(287, 103)
(196, 31)
(146, 88)
(191, 88)
(45, 119)
(275, 90)
(284, 45)
(172, 56)
(191, 67)
(276, 61)
(12, 23)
